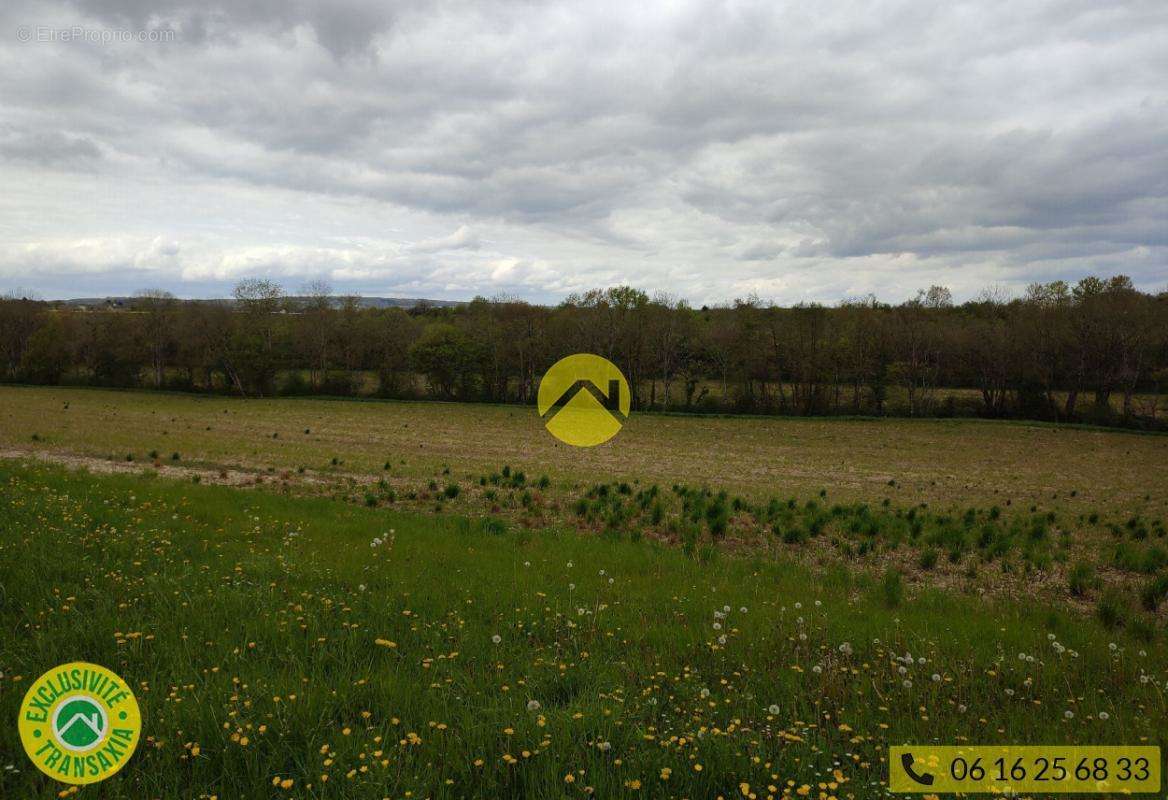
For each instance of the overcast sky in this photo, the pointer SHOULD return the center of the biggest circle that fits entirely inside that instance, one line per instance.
(797, 151)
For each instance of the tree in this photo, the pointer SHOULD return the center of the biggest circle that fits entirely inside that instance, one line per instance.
(446, 356)
(158, 311)
(253, 357)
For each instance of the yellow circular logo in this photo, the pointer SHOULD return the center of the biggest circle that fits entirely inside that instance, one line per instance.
(79, 723)
(583, 400)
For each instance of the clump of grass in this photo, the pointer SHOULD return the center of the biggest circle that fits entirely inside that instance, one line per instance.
(928, 558)
(1154, 593)
(451, 491)
(493, 526)
(892, 588)
(1112, 609)
(1081, 579)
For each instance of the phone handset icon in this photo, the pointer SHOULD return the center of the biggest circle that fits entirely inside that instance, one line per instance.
(906, 761)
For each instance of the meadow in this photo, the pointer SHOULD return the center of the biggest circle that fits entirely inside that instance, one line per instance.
(410, 600)
(285, 646)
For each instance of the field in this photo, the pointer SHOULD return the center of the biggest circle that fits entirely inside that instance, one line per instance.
(427, 600)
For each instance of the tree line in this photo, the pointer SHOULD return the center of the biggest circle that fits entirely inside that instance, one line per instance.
(1093, 351)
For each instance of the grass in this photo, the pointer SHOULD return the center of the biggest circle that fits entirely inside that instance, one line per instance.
(940, 462)
(350, 651)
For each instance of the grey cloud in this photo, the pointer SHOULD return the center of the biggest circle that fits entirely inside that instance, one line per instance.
(733, 145)
(49, 149)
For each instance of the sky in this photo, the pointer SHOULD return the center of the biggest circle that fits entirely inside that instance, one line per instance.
(797, 152)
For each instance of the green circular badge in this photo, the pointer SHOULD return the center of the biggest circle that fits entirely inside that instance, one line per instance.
(79, 723)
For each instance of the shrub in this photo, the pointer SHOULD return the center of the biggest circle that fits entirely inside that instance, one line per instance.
(928, 559)
(451, 491)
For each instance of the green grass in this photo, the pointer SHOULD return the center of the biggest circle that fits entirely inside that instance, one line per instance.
(941, 462)
(249, 614)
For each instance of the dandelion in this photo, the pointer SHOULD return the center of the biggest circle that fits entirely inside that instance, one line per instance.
(817, 669)
(722, 639)
(604, 747)
(1068, 714)
(726, 609)
(773, 710)
(1104, 716)
(665, 773)
(818, 603)
(496, 638)
(907, 684)
(706, 693)
(569, 778)
(845, 649)
(742, 610)
(717, 626)
(571, 587)
(961, 709)
(533, 705)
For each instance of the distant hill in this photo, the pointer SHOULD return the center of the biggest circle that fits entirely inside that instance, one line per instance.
(365, 302)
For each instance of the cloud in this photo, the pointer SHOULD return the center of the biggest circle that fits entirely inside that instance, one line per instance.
(462, 239)
(708, 149)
